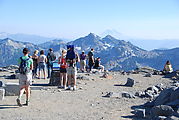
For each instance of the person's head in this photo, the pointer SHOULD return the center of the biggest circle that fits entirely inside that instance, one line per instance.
(51, 50)
(98, 58)
(36, 52)
(42, 52)
(83, 52)
(25, 51)
(92, 49)
(168, 62)
(64, 52)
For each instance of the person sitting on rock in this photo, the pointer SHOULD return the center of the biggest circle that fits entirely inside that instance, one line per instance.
(168, 67)
(97, 64)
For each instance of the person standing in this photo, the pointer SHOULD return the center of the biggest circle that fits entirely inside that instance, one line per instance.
(25, 77)
(82, 61)
(50, 59)
(42, 60)
(63, 69)
(35, 63)
(72, 58)
(91, 59)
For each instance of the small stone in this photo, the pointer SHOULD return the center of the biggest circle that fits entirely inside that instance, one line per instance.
(127, 95)
(148, 75)
(112, 94)
(130, 82)
(140, 113)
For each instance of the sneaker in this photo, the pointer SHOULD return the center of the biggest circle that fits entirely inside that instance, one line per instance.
(65, 87)
(18, 102)
(71, 88)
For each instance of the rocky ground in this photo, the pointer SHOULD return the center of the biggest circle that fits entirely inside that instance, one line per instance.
(87, 103)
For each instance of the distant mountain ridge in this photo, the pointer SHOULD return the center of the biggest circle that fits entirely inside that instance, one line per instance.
(115, 54)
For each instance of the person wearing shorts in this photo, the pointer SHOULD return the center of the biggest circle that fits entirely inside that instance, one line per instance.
(25, 80)
(63, 71)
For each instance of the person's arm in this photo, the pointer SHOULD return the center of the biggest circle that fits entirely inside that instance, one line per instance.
(46, 60)
(59, 60)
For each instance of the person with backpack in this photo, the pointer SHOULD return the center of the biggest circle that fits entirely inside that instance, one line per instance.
(63, 70)
(50, 59)
(42, 60)
(71, 58)
(91, 59)
(25, 77)
(82, 61)
(35, 63)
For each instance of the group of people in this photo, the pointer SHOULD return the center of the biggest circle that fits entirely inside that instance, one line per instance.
(41, 62)
(30, 65)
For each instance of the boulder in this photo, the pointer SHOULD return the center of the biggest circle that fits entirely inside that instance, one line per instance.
(12, 89)
(130, 82)
(2, 93)
(165, 96)
(162, 110)
(55, 78)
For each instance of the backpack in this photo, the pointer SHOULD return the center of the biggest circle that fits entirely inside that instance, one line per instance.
(70, 53)
(23, 68)
(51, 57)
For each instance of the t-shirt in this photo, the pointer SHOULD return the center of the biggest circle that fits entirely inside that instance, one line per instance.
(90, 54)
(42, 58)
(29, 62)
(82, 56)
(62, 62)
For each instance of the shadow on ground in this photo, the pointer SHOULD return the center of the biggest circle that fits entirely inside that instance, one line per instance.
(8, 106)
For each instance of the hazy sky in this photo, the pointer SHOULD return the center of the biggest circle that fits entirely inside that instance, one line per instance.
(156, 19)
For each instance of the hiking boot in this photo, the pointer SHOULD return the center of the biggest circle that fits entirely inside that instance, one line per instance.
(18, 102)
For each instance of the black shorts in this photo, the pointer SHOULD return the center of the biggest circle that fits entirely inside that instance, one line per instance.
(63, 70)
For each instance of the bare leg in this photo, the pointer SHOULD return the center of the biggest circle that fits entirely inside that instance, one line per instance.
(64, 79)
(22, 89)
(69, 80)
(61, 79)
(27, 88)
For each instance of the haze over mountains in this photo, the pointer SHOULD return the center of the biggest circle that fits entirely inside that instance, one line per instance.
(147, 44)
(115, 54)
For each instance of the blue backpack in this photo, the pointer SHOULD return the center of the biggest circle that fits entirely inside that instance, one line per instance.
(70, 53)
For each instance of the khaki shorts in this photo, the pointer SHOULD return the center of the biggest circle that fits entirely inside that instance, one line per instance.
(72, 71)
(82, 63)
(25, 79)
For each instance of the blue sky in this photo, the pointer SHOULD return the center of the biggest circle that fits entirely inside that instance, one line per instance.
(149, 19)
